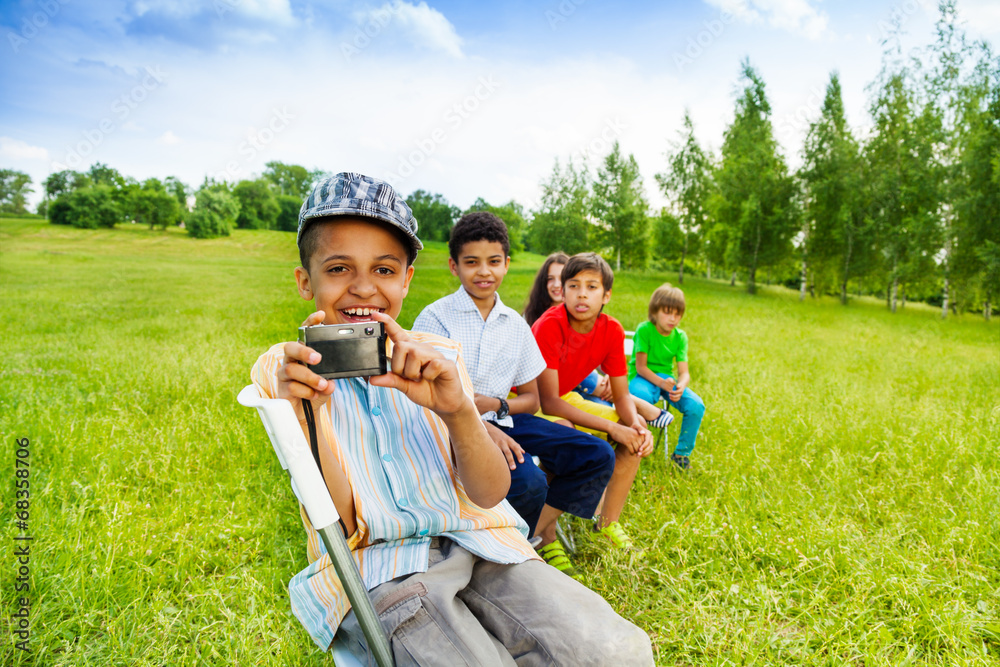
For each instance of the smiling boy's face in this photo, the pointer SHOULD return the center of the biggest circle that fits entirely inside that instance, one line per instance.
(481, 267)
(358, 266)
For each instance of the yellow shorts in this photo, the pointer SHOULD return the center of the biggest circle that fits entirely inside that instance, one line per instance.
(596, 409)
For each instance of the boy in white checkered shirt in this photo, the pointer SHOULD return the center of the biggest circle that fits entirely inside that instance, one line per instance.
(500, 352)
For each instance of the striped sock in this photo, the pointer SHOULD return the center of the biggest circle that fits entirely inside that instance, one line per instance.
(662, 420)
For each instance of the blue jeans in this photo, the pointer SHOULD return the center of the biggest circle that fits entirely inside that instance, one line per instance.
(690, 405)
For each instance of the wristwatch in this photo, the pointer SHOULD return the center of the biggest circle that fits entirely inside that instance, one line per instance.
(504, 408)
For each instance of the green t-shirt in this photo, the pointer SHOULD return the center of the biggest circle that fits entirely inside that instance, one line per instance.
(661, 351)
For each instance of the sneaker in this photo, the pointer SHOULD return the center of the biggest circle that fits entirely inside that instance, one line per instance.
(554, 554)
(663, 420)
(683, 462)
(614, 532)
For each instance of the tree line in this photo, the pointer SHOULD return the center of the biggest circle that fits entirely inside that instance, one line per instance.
(908, 208)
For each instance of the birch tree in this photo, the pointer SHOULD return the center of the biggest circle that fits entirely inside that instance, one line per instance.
(620, 209)
(838, 236)
(754, 205)
(687, 184)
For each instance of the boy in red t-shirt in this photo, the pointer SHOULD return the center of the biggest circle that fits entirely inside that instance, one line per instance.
(575, 338)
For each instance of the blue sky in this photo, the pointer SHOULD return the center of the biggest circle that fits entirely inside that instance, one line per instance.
(463, 99)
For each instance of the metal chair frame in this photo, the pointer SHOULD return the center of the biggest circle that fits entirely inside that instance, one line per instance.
(293, 453)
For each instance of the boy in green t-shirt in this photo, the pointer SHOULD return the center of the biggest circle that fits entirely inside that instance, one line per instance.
(658, 343)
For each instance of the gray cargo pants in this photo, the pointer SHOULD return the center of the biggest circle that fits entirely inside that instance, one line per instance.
(468, 611)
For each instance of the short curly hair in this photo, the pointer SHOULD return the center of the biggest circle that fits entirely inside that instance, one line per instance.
(478, 226)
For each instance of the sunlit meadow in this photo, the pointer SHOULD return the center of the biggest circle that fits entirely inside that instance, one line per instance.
(841, 510)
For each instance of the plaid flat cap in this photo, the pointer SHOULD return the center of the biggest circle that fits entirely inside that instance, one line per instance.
(350, 193)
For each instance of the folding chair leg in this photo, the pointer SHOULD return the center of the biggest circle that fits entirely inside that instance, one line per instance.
(350, 578)
(565, 535)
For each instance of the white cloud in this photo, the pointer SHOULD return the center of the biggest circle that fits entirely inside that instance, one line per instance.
(796, 16)
(168, 138)
(983, 16)
(17, 149)
(421, 25)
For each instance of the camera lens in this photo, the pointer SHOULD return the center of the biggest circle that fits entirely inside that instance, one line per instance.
(369, 330)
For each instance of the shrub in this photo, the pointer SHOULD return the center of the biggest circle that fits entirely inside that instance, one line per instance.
(87, 208)
(59, 211)
(288, 217)
(214, 215)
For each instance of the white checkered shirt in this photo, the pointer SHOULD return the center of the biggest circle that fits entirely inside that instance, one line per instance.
(499, 353)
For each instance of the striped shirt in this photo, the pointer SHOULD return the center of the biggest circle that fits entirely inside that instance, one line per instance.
(397, 458)
(501, 350)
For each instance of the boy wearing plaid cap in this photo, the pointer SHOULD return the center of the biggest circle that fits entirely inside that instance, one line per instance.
(416, 479)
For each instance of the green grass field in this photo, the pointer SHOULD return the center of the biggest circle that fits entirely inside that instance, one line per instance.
(842, 510)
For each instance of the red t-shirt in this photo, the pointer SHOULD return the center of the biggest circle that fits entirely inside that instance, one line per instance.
(574, 354)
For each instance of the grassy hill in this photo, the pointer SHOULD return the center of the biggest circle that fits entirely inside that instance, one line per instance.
(842, 509)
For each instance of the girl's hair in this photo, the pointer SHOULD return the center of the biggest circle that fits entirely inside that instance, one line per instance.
(538, 298)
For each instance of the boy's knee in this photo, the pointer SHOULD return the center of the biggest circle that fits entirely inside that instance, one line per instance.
(612, 641)
(604, 456)
(691, 403)
(625, 459)
(528, 489)
(642, 388)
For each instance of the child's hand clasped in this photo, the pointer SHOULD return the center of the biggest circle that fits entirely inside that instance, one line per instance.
(637, 438)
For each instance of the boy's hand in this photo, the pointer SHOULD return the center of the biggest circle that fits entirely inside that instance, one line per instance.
(511, 450)
(421, 372)
(636, 441)
(295, 380)
(314, 318)
(674, 389)
(639, 426)
(603, 389)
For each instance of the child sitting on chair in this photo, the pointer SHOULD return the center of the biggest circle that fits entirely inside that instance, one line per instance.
(575, 338)
(501, 354)
(547, 291)
(415, 478)
(658, 343)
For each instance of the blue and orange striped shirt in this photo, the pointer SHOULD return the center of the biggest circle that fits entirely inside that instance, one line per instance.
(397, 458)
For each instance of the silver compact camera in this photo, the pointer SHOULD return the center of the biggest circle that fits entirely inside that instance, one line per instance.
(348, 350)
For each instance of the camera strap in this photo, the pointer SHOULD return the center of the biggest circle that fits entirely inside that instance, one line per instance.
(307, 408)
